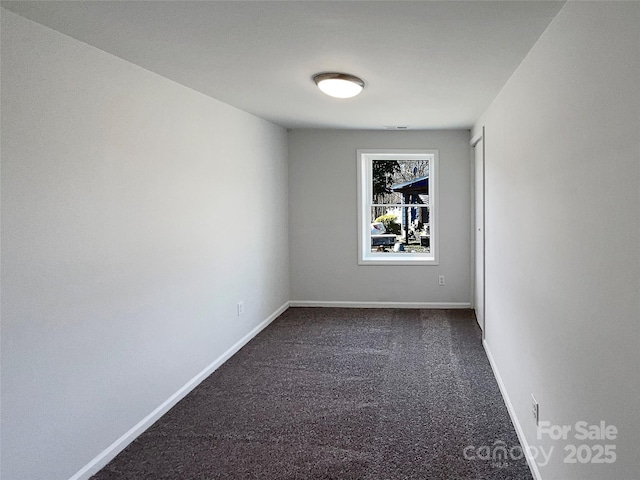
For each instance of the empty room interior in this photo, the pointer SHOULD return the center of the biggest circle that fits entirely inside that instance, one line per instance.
(211, 268)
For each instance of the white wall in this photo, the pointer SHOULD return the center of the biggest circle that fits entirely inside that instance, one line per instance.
(131, 208)
(563, 232)
(322, 186)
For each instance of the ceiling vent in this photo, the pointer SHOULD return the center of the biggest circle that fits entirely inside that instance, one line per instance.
(396, 127)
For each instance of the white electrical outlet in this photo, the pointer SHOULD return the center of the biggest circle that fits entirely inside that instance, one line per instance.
(535, 409)
(240, 308)
(441, 280)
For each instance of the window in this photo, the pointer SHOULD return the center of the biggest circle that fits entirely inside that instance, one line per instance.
(397, 207)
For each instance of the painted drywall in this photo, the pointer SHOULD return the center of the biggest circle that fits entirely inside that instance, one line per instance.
(135, 214)
(323, 220)
(563, 234)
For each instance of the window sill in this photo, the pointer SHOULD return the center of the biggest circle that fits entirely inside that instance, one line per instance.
(405, 259)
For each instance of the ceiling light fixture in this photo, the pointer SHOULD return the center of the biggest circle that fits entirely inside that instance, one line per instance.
(339, 85)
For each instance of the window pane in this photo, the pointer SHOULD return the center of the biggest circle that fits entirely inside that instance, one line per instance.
(400, 181)
(400, 229)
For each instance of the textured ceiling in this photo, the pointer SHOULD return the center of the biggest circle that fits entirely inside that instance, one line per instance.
(426, 64)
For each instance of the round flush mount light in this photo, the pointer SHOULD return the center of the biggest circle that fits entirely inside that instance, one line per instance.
(339, 85)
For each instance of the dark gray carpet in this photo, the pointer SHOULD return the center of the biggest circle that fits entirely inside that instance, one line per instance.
(327, 393)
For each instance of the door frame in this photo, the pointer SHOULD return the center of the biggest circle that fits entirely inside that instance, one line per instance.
(480, 136)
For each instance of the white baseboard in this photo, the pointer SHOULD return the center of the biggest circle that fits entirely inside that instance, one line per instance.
(120, 444)
(533, 466)
(344, 304)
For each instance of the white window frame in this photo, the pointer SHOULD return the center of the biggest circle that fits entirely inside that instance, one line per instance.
(365, 158)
